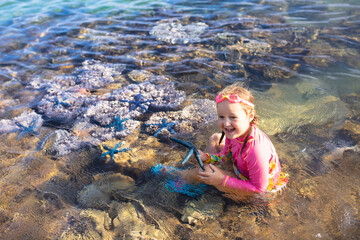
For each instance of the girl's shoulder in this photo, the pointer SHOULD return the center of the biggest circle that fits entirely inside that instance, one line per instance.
(260, 141)
(258, 134)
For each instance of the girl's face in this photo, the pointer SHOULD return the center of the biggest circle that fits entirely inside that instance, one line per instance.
(233, 119)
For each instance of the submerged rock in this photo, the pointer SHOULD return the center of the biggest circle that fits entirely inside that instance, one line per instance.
(320, 54)
(288, 108)
(352, 128)
(350, 161)
(9, 87)
(140, 76)
(353, 104)
(123, 221)
(246, 48)
(207, 207)
(99, 194)
(81, 228)
(310, 90)
(176, 33)
(131, 224)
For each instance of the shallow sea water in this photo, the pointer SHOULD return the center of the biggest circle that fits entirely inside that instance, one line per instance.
(299, 58)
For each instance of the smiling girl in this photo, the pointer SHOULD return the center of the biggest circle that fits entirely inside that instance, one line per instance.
(255, 166)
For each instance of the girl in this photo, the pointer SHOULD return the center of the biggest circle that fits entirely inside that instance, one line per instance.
(255, 167)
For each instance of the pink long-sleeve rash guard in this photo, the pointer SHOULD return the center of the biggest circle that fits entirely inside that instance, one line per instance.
(257, 165)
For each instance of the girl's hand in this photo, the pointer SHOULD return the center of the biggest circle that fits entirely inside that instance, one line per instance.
(202, 155)
(212, 175)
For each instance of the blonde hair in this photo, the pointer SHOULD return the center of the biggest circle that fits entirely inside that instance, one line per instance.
(236, 88)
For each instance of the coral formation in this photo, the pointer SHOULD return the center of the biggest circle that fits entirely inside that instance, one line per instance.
(27, 123)
(92, 75)
(177, 33)
(61, 142)
(64, 107)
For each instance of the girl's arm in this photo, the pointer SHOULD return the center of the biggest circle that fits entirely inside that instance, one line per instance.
(223, 155)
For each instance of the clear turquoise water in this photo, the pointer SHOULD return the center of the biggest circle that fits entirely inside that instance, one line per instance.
(307, 91)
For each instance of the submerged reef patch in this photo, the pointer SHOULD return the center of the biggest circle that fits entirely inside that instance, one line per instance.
(95, 74)
(27, 123)
(62, 142)
(127, 103)
(95, 133)
(195, 116)
(176, 33)
(64, 107)
(92, 75)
